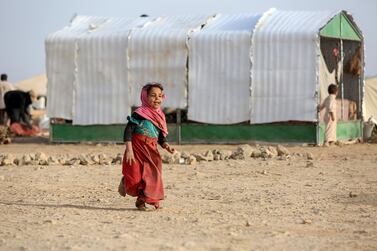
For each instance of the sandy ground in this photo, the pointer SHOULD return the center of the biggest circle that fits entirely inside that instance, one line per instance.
(251, 204)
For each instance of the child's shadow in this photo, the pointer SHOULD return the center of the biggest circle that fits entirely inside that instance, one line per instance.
(18, 203)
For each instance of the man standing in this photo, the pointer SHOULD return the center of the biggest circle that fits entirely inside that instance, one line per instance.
(5, 86)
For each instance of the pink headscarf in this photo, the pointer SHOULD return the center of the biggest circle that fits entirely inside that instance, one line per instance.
(156, 116)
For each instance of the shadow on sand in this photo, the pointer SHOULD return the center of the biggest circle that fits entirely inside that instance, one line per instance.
(85, 207)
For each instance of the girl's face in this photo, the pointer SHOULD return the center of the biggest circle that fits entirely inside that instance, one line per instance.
(155, 97)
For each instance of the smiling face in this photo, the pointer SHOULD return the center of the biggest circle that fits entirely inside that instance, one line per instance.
(155, 95)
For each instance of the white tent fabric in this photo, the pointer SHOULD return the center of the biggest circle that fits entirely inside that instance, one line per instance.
(370, 99)
(219, 75)
(61, 54)
(37, 83)
(158, 53)
(101, 91)
(285, 66)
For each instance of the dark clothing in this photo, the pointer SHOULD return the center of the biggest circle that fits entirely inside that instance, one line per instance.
(17, 106)
(127, 136)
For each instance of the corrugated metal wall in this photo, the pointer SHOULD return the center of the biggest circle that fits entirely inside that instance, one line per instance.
(97, 66)
(61, 55)
(158, 53)
(285, 54)
(101, 93)
(219, 70)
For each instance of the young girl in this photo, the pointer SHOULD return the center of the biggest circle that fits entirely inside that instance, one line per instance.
(142, 165)
(329, 104)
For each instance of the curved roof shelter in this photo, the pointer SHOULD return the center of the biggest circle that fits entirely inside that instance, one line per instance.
(223, 69)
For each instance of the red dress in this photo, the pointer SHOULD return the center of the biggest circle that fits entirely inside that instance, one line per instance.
(143, 178)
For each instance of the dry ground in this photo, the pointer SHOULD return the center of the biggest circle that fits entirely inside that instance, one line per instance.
(251, 204)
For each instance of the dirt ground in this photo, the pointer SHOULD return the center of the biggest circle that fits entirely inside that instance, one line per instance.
(329, 203)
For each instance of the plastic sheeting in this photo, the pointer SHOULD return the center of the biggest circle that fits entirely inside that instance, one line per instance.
(219, 70)
(285, 66)
(101, 91)
(61, 54)
(370, 99)
(158, 53)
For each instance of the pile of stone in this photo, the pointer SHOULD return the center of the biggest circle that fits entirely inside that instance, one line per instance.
(243, 152)
(44, 160)
(5, 135)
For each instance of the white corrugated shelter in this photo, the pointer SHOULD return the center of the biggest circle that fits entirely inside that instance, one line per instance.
(101, 90)
(219, 75)
(285, 54)
(158, 53)
(61, 55)
(223, 69)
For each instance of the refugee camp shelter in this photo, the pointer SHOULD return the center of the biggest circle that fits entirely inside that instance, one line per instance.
(228, 78)
(370, 99)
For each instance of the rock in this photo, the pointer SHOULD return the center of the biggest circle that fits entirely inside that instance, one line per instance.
(224, 154)
(82, 159)
(309, 164)
(306, 221)
(174, 158)
(285, 157)
(5, 135)
(94, 158)
(32, 156)
(242, 152)
(182, 161)
(17, 161)
(256, 153)
(41, 158)
(352, 195)
(71, 162)
(104, 159)
(199, 157)
(282, 151)
(309, 156)
(273, 152)
(26, 159)
(61, 160)
(191, 160)
(52, 160)
(339, 143)
(216, 156)
(268, 152)
(209, 155)
(185, 155)
(6, 160)
(247, 224)
(165, 158)
(118, 159)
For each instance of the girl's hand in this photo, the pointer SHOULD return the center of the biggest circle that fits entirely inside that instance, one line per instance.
(130, 158)
(168, 148)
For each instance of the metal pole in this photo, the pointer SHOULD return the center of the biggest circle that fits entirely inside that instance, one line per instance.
(179, 140)
(341, 78)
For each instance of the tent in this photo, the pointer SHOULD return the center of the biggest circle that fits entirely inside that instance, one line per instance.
(37, 83)
(246, 77)
(370, 99)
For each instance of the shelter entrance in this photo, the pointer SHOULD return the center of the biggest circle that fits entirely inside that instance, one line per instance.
(341, 63)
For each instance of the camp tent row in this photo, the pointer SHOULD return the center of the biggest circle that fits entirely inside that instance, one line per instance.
(262, 68)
